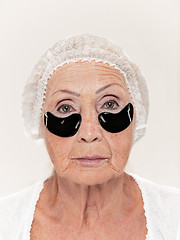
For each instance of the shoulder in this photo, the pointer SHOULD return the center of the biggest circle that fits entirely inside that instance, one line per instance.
(162, 195)
(21, 195)
(162, 204)
(164, 192)
(15, 207)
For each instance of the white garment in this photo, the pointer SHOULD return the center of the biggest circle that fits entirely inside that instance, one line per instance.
(161, 206)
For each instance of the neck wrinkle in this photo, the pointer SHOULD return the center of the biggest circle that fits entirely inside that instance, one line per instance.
(90, 214)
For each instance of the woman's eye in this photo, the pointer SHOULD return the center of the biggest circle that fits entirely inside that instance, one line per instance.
(65, 108)
(110, 104)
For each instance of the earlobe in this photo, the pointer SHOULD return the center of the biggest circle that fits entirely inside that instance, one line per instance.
(41, 130)
(42, 126)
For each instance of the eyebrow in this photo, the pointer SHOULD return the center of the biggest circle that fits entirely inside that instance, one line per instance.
(78, 95)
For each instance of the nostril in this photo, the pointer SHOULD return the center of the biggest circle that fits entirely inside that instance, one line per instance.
(90, 130)
(89, 139)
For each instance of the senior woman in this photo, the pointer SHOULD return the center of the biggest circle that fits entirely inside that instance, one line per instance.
(89, 104)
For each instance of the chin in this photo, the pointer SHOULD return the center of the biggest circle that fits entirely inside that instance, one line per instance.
(91, 176)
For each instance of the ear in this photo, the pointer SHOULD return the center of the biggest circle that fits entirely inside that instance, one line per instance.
(134, 121)
(134, 117)
(42, 126)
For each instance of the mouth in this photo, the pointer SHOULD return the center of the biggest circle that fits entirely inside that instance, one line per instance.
(91, 161)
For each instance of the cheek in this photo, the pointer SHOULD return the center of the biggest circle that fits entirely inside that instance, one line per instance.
(58, 148)
(121, 144)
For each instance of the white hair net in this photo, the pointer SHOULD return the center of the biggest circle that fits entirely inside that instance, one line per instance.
(82, 47)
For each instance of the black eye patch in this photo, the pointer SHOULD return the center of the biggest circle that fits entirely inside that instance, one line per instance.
(116, 122)
(68, 126)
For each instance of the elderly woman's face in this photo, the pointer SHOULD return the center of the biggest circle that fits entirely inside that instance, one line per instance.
(81, 82)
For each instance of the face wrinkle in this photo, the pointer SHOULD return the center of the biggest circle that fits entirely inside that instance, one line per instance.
(68, 170)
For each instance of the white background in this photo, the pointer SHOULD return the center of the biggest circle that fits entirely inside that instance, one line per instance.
(149, 31)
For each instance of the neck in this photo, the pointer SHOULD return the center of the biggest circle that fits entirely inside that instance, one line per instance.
(85, 206)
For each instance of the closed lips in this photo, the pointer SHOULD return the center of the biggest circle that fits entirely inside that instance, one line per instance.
(90, 158)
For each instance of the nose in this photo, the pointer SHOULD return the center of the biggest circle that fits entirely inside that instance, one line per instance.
(90, 129)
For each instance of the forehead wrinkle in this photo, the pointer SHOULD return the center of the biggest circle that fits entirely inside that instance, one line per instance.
(120, 76)
(64, 72)
(100, 72)
(96, 65)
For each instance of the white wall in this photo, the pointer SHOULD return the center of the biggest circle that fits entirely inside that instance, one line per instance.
(147, 30)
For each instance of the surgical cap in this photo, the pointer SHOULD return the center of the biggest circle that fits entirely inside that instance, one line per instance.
(75, 48)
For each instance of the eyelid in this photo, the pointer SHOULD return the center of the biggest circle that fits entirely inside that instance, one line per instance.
(107, 95)
(110, 96)
(66, 99)
(63, 101)
(118, 103)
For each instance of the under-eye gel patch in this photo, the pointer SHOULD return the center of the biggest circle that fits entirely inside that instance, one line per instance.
(63, 127)
(68, 126)
(117, 122)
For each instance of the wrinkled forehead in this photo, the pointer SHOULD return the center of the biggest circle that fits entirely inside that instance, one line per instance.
(79, 74)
